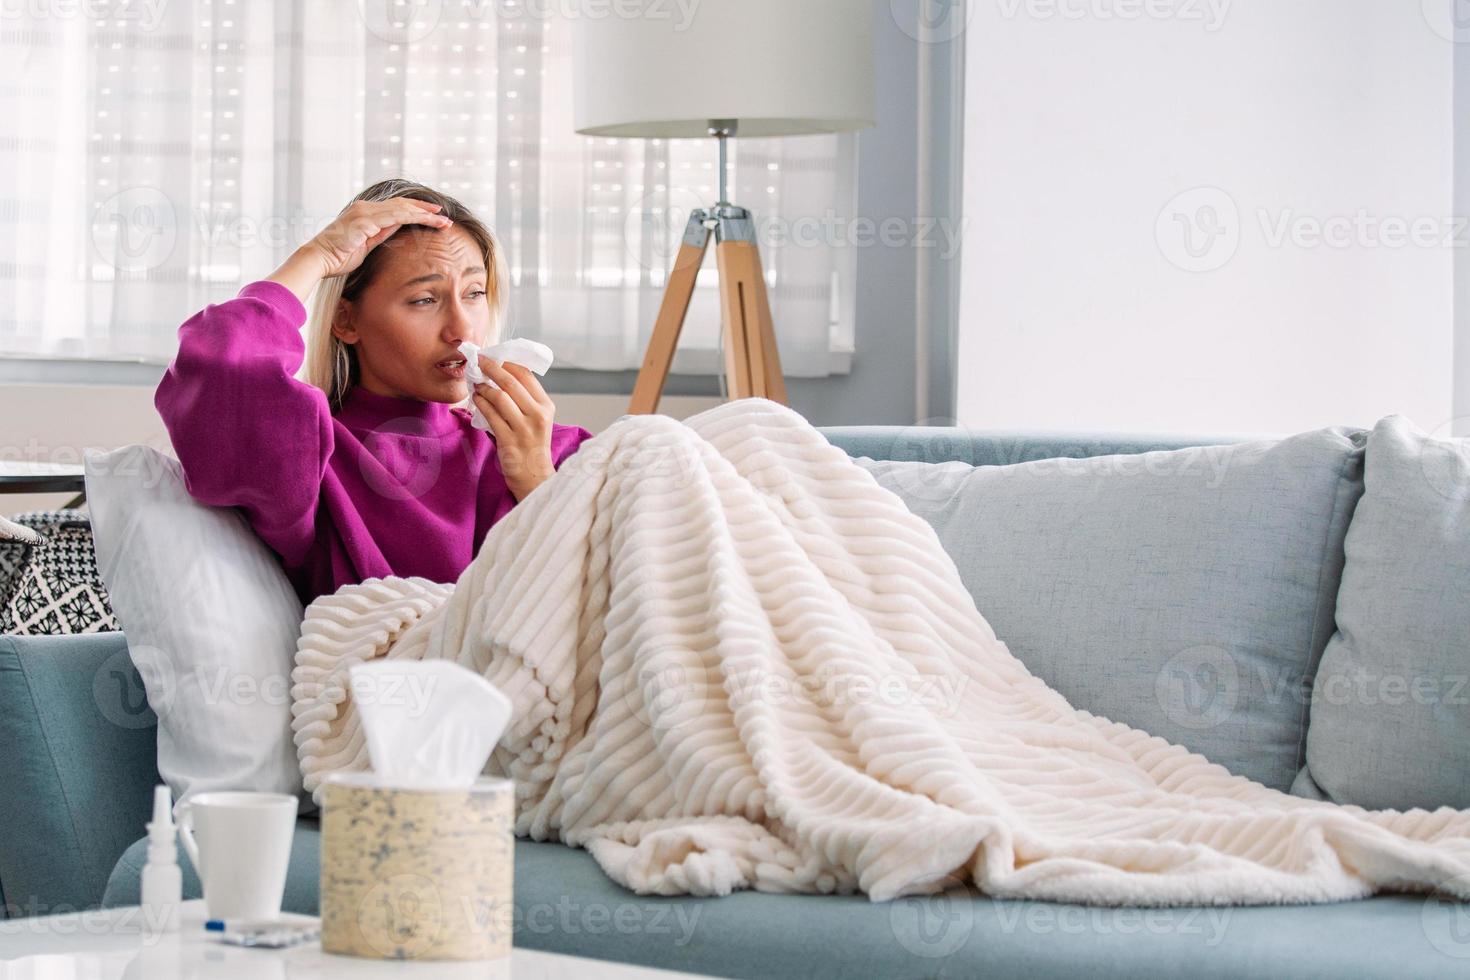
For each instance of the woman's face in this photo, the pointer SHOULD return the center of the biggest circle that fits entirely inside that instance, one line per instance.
(427, 295)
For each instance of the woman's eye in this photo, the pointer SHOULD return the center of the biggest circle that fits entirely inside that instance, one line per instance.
(429, 299)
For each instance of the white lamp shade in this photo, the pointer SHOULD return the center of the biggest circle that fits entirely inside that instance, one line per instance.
(777, 67)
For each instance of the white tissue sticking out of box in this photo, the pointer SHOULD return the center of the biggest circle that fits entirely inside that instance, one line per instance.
(429, 724)
(535, 357)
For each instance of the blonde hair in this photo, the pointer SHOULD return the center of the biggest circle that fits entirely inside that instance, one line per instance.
(331, 365)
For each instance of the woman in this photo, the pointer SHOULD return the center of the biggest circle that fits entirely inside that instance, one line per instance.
(367, 468)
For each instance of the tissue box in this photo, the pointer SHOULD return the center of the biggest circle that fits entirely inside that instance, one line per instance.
(417, 873)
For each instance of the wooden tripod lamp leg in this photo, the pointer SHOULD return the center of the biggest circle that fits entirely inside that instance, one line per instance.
(752, 364)
(736, 319)
(766, 334)
(666, 329)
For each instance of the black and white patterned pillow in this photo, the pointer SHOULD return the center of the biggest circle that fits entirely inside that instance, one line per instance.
(51, 585)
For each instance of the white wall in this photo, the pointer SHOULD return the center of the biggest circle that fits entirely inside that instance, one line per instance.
(1082, 305)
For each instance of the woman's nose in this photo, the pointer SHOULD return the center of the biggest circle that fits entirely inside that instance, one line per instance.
(458, 325)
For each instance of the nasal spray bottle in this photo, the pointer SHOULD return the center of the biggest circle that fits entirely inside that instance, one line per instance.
(163, 882)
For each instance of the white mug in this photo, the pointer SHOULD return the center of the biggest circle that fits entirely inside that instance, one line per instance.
(243, 850)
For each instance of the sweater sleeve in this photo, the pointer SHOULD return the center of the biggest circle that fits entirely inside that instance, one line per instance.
(247, 432)
(566, 440)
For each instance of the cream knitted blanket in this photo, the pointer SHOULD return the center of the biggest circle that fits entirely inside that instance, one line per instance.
(738, 662)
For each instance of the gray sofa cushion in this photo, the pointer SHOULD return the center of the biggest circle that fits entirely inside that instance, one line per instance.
(79, 743)
(1186, 593)
(1391, 703)
(564, 903)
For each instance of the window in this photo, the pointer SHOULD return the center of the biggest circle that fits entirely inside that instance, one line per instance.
(164, 155)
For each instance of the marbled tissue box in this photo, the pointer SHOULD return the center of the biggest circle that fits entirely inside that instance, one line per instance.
(417, 874)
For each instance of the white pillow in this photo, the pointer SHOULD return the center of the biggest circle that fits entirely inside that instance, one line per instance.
(211, 623)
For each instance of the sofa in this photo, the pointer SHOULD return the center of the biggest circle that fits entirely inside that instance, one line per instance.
(1213, 590)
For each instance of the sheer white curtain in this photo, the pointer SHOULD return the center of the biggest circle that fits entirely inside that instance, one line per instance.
(157, 156)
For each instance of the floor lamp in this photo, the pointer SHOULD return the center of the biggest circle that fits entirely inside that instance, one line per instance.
(754, 68)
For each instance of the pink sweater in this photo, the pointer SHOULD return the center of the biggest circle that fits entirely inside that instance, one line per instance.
(386, 486)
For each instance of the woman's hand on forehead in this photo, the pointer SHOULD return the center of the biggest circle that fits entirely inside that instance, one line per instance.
(343, 244)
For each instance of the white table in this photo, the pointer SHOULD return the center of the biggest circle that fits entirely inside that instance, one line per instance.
(111, 944)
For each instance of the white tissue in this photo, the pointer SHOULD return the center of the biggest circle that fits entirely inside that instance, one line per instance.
(533, 356)
(429, 724)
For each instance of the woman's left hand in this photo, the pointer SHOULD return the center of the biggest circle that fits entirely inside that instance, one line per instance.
(520, 416)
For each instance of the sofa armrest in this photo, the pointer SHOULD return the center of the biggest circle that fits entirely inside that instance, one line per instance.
(81, 763)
